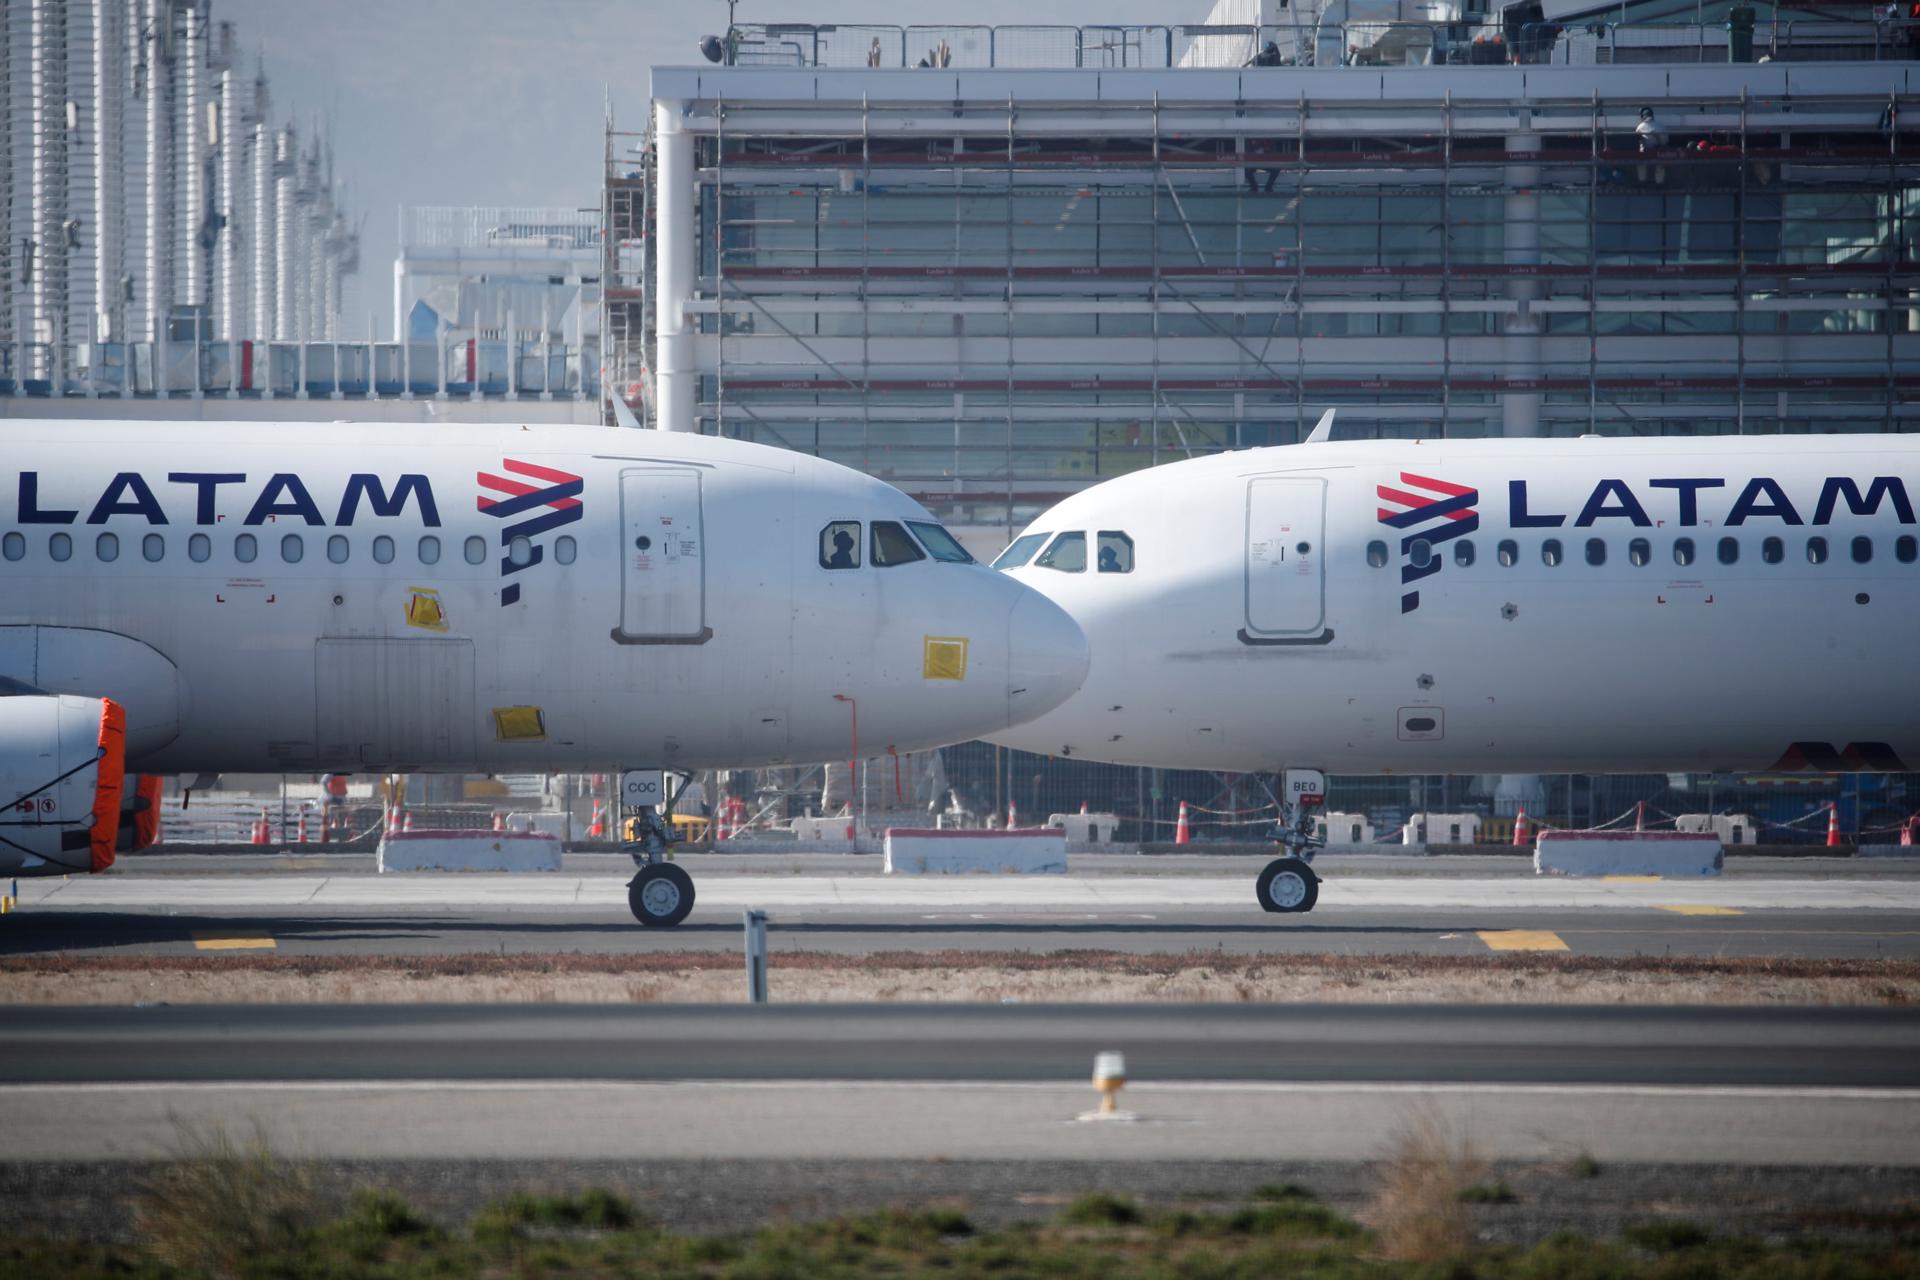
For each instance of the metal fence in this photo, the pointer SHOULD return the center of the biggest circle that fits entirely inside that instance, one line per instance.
(1376, 43)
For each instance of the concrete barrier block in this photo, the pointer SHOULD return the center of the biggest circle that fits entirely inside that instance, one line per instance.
(1028, 851)
(1894, 850)
(1627, 853)
(470, 851)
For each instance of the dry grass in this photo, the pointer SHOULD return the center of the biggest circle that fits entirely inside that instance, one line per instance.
(219, 1206)
(1419, 1211)
(1079, 976)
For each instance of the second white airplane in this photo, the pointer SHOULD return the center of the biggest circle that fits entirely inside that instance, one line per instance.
(1482, 606)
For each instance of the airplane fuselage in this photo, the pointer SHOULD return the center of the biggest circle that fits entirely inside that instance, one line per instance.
(1605, 605)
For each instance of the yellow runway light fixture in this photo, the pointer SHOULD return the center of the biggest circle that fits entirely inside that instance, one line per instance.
(1109, 1076)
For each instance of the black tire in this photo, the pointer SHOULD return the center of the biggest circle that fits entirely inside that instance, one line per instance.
(1288, 885)
(660, 896)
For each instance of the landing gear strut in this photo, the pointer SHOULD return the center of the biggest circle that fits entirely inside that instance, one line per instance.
(660, 893)
(1288, 884)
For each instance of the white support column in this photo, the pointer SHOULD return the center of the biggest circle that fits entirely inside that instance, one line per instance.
(232, 264)
(1520, 410)
(109, 167)
(160, 205)
(677, 267)
(286, 222)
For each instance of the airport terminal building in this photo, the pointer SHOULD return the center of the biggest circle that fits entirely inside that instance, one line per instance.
(995, 284)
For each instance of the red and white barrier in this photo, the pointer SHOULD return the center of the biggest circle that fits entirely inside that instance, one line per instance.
(470, 851)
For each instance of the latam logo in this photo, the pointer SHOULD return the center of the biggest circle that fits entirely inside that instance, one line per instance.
(1429, 512)
(547, 505)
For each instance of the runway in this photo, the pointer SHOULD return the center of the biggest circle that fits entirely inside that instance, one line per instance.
(334, 905)
(1750, 1086)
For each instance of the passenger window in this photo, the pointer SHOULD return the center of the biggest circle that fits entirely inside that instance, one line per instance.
(245, 548)
(1772, 550)
(337, 549)
(153, 547)
(1377, 554)
(1068, 554)
(1862, 550)
(476, 550)
(940, 544)
(1816, 550)
(60, 546)
(520, 551)
(1905, 549)
(1550, 552)
(1596, 551)
(564, 549)
(429, 550)
(1463, 552)
(383, 550)
(1639, 552)
(1019, 551)
(1420, 554)
(840, 545)
(892, 545)
(1508, 554)
(1683, 551)
(199, 548)
(107, 547)
(293, 548)
(13, 546)
(1729, 551)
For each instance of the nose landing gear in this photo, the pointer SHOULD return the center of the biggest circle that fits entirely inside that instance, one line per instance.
(660, 894)
(1288, 884)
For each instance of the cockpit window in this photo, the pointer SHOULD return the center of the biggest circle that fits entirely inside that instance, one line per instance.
(840, 545)
(1116, 552)
(1068, 554)
(1020, 551)
(940, 544)
(892, 545)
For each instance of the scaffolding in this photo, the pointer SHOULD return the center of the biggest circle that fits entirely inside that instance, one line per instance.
(993, 301)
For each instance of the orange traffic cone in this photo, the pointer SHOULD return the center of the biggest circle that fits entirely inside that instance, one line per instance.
(303, 827)
(723, 820)
(1833, 826)
(1182, 832)
(393, 822)
(1522, 832)
(1013, 816)
(262, 833)
(1906, 831)
(1640, 815)
(597, 830)
(499, 821)
(406, 821)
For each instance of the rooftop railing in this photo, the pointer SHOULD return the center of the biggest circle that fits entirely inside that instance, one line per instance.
(1780, 37)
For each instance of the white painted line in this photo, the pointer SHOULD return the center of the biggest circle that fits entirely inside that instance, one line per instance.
(1267, 1087)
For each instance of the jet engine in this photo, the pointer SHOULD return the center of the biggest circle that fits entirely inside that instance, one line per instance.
(62, 781)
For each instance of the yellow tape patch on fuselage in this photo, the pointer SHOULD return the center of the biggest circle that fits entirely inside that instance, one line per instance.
(944, 658)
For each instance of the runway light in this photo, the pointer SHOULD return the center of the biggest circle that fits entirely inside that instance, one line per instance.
(1109, 1076)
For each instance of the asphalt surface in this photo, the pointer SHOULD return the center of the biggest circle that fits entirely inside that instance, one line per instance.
(1832, 1048)
(1730, 1087)
(334, 904)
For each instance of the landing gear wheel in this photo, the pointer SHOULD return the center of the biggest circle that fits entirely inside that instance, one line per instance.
(1288, 885)
(661, 895)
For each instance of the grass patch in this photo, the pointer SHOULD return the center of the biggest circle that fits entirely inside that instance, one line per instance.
(597, 1233)
(1584, 1166)
(223, 1205)
(1419, 1213)
(1495, 1192)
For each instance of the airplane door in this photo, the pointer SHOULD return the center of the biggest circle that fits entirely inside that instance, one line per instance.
(663, 585)
(1286, 580)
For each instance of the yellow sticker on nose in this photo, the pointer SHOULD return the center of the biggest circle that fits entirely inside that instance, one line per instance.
(944, 658)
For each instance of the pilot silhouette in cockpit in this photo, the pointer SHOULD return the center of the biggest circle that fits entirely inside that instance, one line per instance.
(842, 557)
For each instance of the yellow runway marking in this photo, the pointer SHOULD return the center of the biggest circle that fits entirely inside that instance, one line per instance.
(1680, 909)
(1522, 940)
(1630, 879)
(227, 942)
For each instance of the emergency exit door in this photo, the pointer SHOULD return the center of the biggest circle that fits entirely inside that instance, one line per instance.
(1285, 573)
(663, 587)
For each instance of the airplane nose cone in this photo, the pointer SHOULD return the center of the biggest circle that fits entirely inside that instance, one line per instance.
(1047, 657)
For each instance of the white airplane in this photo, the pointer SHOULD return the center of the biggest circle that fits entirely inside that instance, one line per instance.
(1483, 606)
(288, 597)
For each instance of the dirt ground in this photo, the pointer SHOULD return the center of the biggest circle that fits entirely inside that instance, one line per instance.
(1063, 976)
